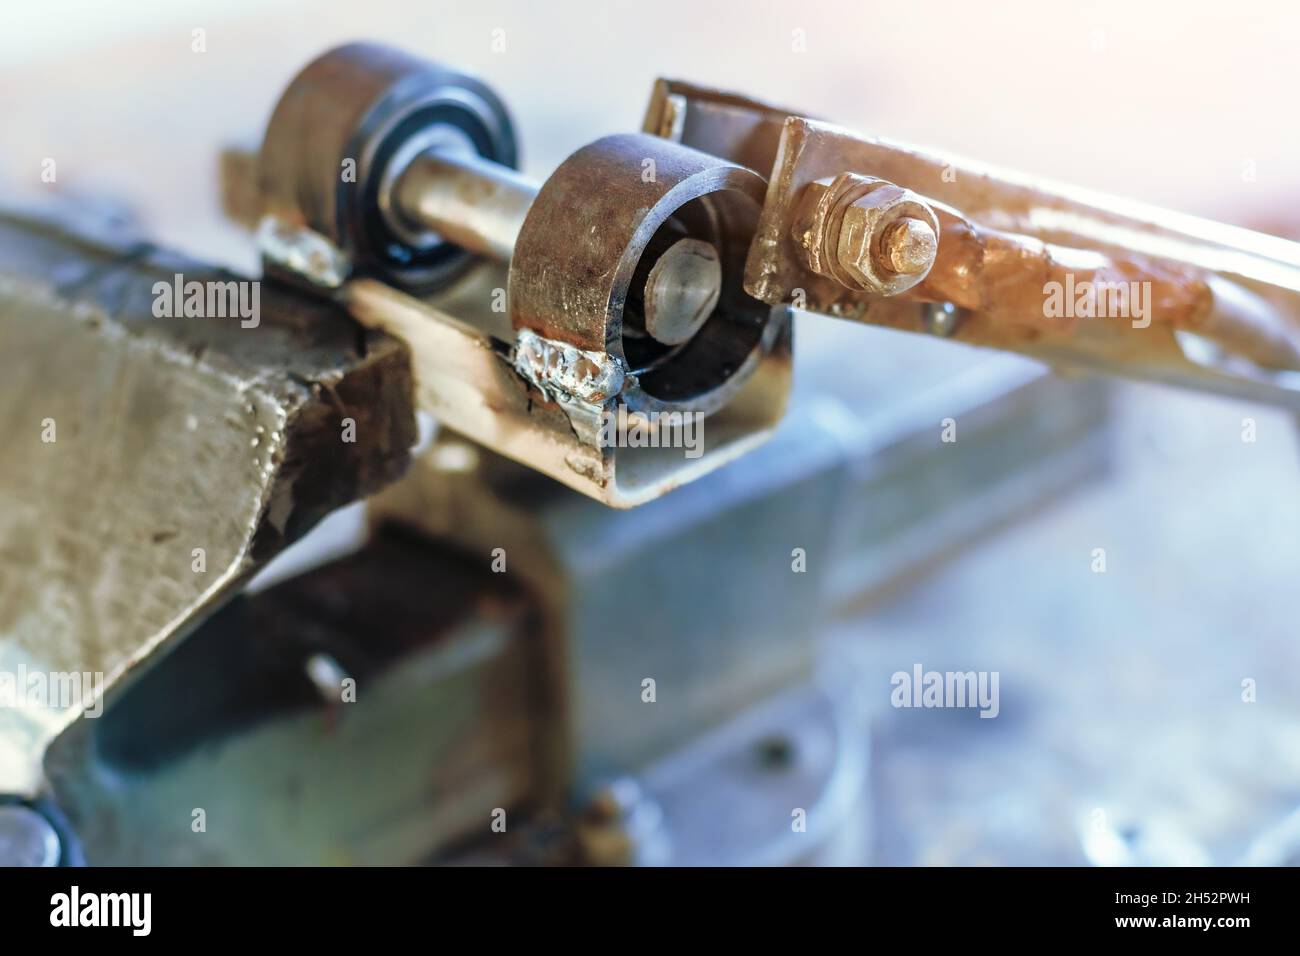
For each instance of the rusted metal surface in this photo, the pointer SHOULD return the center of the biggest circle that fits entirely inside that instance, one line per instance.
(154, 463)
(728, 125)
(1003, 242)
(578, 252)
(468, 380)
(1003, 275)
(1009, 235)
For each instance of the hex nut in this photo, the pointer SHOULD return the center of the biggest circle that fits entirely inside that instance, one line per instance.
(861, 249)
(848, 230)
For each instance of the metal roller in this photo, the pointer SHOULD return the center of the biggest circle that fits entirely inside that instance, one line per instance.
(648, 268)
(342, 134)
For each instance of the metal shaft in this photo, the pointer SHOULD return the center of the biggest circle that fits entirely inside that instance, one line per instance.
(473, 202)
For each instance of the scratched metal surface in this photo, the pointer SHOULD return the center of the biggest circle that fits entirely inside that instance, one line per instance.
(168, 435)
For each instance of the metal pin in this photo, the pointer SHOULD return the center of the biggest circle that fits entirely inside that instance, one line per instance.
(682, 291)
